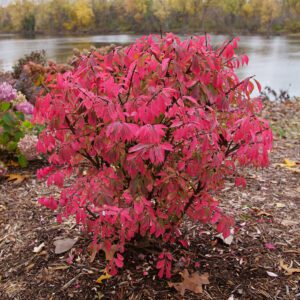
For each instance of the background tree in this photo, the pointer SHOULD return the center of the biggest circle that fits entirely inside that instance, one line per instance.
(144, 16)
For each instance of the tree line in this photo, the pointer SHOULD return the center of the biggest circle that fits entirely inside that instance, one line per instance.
(144, 16)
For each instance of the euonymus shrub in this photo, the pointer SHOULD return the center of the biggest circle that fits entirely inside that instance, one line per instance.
(149, 132)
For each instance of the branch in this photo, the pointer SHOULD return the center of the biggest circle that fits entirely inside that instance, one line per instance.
(237, 85)
(224, 47)
(130, 84)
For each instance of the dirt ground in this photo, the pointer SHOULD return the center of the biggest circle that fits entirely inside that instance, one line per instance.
(257, 265)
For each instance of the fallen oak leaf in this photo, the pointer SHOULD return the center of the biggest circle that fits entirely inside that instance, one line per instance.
(16, 178)
(288, 271)
(193, 282)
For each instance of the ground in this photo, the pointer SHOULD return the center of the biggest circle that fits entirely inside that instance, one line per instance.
(267, 235)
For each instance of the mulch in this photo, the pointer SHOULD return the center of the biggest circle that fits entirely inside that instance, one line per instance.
(267, 235)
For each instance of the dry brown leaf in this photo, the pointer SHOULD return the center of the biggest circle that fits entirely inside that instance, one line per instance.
(258, 212)
(288, 271)
(16, 178)
(193, 282)
(263, 213)
(64, 245)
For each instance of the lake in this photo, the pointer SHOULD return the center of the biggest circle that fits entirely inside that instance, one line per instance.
(275, 61)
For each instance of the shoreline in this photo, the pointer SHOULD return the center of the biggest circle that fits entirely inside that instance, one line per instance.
(95, 33)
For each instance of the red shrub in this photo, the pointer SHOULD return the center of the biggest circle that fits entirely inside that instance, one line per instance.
(150, 132)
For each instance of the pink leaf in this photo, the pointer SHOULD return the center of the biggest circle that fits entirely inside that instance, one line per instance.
(270, 246)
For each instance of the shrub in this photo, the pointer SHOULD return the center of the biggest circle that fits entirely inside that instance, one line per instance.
(38, 57)
(26, 83)
(15, 123)
(150, 132)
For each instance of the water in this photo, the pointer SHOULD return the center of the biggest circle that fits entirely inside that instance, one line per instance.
(274, 61)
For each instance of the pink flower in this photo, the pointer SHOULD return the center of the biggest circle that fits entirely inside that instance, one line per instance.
(7, 92)
(25, 107)
(27, 146)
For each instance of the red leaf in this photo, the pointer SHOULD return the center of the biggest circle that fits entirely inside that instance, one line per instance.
(48, 202)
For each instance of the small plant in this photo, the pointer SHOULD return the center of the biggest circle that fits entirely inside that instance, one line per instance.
(146, 135)
(270, 94)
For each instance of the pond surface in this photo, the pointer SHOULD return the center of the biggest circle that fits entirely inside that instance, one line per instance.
(275, 61)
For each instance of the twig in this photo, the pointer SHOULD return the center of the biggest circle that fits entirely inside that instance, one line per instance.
(69, 283)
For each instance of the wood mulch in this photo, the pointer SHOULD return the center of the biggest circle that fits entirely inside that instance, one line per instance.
(267, 214)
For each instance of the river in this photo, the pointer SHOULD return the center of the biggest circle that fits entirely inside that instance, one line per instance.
(274, 61)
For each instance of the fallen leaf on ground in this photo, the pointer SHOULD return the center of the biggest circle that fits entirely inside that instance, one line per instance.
(287, 269)
(280, 205)
(271, 274)
(260, 213)
(104, 276)
(16, 178)
(39, 248)
(64, 245)
(270, 246)
(289, 163)
(193, 282)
